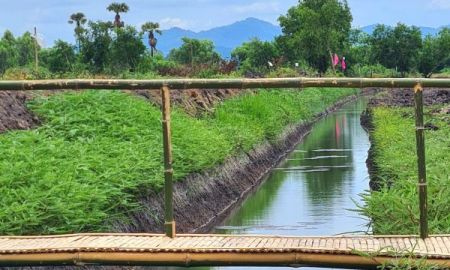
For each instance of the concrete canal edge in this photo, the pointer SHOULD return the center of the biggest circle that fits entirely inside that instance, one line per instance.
(203, 200)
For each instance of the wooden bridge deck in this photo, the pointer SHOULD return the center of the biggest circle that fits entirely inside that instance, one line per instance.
(193, 250)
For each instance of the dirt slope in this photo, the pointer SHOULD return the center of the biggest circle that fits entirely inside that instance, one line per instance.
(13, 112)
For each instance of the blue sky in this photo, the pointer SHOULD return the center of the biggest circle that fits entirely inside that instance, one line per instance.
(50, 16)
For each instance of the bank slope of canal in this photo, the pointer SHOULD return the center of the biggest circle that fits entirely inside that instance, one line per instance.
(393, 205)
(98, 156)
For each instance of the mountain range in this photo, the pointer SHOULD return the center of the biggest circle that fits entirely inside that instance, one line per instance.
(225, 38)
(228, 37)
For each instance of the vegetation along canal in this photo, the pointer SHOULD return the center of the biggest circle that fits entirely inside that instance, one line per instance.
(314, 190)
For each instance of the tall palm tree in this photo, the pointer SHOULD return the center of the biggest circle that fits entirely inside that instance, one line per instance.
(79, 19)
(152, 28)
(118, 8)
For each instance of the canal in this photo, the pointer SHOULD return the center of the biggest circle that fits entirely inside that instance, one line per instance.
(316, 189)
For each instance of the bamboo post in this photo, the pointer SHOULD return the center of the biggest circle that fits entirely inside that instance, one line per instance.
(420, 146)
(169, 223)
(36, 55)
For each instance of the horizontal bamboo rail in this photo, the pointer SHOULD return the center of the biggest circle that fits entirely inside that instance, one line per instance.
(269, 259)
(224, 83)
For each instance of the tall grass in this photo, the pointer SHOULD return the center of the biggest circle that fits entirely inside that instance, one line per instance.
(395, 209)
(98, 150)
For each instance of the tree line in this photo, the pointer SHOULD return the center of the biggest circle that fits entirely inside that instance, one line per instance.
(312, 31)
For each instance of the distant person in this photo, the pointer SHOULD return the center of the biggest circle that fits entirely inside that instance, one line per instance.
(343, 64)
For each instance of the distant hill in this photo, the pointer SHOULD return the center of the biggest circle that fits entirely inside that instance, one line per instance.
(228, 37)
(425, 30)
(225, 38)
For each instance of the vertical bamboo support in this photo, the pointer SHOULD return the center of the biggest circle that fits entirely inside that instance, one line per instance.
(169, 223)
(420, 146)
(36, 55)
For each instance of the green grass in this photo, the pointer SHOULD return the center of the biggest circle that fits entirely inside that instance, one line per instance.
(395, 210)
(98, 150)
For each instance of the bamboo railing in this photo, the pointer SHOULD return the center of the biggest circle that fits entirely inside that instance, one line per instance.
(223, 83)
(418, 84)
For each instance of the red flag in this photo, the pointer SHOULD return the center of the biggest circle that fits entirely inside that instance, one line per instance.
(335, 60)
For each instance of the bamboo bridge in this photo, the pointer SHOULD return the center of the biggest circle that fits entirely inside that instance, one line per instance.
(170, 249)
(221, 250)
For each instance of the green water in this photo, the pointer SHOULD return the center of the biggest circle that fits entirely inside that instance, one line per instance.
(314, 191)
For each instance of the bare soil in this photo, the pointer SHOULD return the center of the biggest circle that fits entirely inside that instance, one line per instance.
(194, 101)
(14, 113)
(405, 97)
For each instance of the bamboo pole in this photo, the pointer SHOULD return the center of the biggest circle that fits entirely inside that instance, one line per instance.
(191, 259)
(224, 83)
(421, 165)
(169, 223)
(36, 53)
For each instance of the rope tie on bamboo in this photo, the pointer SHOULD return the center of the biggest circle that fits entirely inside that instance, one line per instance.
(421, 128)
(168, 171)
(422, 184)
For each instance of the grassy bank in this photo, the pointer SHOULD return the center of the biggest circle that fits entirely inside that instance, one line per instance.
(96, 151)
(394, 209)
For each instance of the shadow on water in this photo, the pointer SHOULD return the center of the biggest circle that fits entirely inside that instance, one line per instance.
(313, 190)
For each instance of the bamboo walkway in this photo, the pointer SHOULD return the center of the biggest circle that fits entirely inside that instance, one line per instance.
(216, 250)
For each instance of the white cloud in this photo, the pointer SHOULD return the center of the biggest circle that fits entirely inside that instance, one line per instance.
(441, 4)
(169, 22)
(258, 7)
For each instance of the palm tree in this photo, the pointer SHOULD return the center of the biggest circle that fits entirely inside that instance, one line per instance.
(118, 8)
(152, 28)
(79, 19)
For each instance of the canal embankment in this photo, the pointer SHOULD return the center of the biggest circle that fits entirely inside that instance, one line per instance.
(392, 205)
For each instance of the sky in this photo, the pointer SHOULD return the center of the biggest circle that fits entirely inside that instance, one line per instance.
(51, 16)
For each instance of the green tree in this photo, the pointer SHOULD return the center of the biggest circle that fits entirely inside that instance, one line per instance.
(152, 28)
(255, 55)
(79, 19)
(435, 53)
(25, 45)
(60, 58)
(95, 46)
(314, 29)
(195, 52)
(126, 49)
(8, 52)
(118, 8)
(397, 47)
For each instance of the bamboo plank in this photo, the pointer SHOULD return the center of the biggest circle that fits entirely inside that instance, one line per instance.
(442, 245)
(436, 246)
(430, 246)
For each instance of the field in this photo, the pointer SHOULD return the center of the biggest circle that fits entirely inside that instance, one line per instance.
(96, 151)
